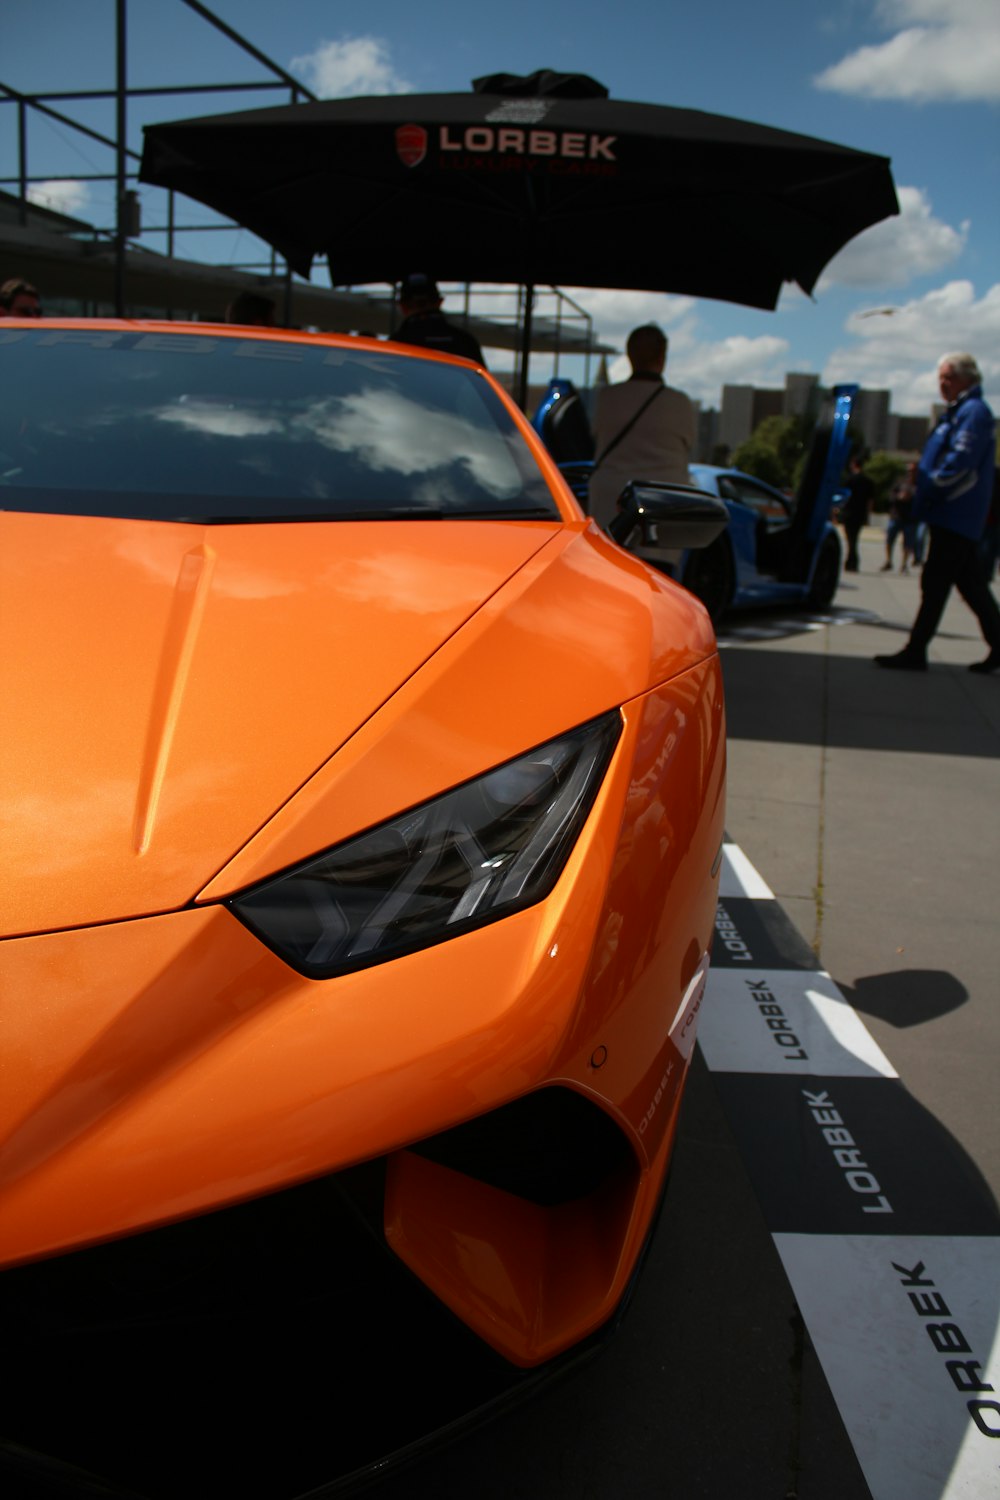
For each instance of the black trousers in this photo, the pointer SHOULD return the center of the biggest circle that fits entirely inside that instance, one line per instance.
(852, 530)
(951, 563)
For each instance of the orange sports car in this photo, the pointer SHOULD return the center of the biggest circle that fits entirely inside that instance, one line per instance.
(363, 810)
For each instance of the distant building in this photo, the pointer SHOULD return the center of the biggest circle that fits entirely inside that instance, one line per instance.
(767, 404)
(707, 440)
(911, 434)
(744, 407)
(802, 394)
(736, 415)
(870, 415)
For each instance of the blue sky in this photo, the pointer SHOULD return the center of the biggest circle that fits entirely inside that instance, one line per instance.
(915, 80)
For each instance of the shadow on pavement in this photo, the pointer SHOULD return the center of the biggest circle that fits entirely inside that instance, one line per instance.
(906, 997)
(802, 697)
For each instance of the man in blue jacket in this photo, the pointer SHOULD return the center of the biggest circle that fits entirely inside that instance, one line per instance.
(954, 487)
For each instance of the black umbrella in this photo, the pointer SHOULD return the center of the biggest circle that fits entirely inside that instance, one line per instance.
(530, 180)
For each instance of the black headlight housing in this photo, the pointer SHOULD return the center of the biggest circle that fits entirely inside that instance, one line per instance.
(479, 852)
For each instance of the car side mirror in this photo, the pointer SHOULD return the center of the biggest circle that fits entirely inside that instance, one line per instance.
(676, 516)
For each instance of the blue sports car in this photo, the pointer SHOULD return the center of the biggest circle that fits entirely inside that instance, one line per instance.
(777, 549)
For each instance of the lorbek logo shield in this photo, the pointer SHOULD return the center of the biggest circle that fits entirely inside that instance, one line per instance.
(411, 144)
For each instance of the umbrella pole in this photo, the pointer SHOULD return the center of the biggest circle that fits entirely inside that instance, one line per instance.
(522, 386)
(288, 295)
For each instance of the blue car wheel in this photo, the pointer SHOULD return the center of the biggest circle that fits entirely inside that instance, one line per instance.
(826, 574)
(711, 577)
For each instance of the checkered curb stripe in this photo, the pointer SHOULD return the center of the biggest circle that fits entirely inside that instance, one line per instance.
(888, 1235)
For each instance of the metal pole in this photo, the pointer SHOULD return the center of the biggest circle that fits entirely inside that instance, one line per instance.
(287, 298)
(559, 308)
(529, 302)
(120, 86)
(170, 241)
(22, 158)
(34, 101)
(248, 47)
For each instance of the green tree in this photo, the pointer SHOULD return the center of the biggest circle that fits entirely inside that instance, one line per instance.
(776, 450)
(883, 470)
(760, 458)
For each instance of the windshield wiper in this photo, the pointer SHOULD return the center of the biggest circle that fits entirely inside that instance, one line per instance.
(29, 501)
(387, 513)
(294, 518)
(505, 512)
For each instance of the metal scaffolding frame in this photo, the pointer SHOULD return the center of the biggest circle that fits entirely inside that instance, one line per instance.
(557, 334)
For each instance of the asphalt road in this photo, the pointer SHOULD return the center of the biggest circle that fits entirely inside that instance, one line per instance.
(868, 801)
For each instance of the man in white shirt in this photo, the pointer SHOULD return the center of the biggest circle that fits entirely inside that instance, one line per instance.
(644, 429)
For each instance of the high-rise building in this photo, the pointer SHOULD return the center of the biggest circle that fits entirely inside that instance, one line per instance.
(744, 407)
(736, 415)
(802, 394)
(707, 441)
(870, 415)
(911, 434)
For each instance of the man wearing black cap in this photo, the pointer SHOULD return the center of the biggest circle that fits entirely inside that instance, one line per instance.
(424, 323)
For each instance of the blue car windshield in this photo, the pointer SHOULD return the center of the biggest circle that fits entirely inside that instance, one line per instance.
(217, 427)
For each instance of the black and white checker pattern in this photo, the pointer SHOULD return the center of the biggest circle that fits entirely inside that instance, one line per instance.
(889, 1238)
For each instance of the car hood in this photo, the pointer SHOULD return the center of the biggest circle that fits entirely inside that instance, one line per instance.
(169, 687)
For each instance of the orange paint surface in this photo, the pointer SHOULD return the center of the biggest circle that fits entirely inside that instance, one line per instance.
(198, 708)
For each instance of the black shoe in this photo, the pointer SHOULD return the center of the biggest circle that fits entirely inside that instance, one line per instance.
(906, 661)
(991, 664)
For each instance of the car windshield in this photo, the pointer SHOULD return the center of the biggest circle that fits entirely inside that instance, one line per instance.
(223, 428)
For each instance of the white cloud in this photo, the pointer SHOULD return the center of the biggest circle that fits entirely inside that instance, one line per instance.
(699, 367)
(892, 13)
(354, 65)
(615, 314)
(898, 348)
(702, 369)
(64, 197)
(948, 50)
(897, 250)
(885, 347)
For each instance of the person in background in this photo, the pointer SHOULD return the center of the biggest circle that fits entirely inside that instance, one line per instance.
(988, 551)
(954, 491)
(252, 309)
(19, 299)
(855, 509)
(643, 428)
(425, 325)
(900, 504)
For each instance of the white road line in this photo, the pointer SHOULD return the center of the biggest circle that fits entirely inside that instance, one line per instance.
(905, 1324)
(739, 878)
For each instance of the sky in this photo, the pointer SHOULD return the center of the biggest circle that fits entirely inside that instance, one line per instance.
(917, 81)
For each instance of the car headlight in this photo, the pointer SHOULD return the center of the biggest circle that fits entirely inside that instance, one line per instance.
(483, 850)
